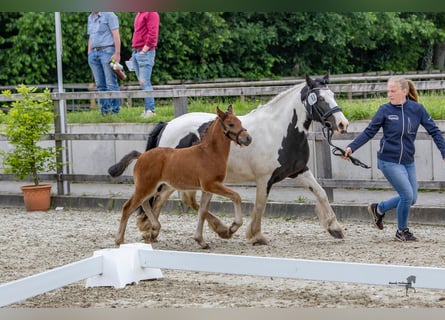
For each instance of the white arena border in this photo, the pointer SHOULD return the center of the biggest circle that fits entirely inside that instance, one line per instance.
(131, 263)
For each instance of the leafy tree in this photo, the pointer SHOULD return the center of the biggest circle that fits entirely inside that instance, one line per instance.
(207, 45)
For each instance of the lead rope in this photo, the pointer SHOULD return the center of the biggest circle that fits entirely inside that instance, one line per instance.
(337, 151)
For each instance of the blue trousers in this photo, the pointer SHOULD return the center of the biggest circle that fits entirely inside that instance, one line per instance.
(403, 179)
(105, 78)
(143, 66)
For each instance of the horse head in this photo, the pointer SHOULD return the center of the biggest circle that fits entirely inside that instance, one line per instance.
(233, 128)
(321, 106)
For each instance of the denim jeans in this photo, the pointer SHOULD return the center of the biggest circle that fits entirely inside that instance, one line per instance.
(403, 179)
(143, 66)
(105, 78)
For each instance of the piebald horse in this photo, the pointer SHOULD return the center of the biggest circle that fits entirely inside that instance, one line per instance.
(279, 150)
(198, 167)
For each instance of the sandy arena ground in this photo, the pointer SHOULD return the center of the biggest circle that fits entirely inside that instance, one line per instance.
(35, 242)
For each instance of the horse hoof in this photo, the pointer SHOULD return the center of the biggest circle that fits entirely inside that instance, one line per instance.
(337, 234)
(260, 242)
(201, 243)
(226, 234)
(149, 238)
(233, 228)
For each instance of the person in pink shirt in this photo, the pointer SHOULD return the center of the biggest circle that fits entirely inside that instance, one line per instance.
(144, 43)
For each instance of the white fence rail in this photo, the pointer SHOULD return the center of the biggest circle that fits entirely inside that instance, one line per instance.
(133, 262)
(25, 288)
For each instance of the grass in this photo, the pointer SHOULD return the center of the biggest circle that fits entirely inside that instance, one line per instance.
(365, 109)
(356, 109)
(164, 111)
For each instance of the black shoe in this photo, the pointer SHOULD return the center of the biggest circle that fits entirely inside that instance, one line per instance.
(404, 235)
(377, 218)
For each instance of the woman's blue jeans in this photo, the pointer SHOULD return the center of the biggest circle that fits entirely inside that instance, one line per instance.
(105, 78)
(143, 66)
(403, 179)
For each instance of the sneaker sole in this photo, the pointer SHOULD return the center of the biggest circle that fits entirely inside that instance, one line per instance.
(401, 240)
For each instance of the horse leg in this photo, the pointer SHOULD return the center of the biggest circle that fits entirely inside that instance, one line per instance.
(222, 190)
(142, 221)
(127, 209)
(203, 209)
(216, 224)
(189, 200)
(323, 209)
(155, 226)
(253, 232)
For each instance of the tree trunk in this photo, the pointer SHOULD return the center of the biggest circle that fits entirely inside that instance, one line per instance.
(439, 55)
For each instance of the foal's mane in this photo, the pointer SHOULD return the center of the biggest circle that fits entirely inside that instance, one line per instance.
(202, 130)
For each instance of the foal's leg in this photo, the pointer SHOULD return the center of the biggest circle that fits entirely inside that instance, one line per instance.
(220, 189)
(323, 209)
(253, 232)
(189, 200)
(214, 222)
(202, 211)
(127, 209)
(152, 234)
(142, 222)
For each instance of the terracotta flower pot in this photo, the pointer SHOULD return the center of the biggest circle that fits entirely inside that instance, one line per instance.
(37, 198)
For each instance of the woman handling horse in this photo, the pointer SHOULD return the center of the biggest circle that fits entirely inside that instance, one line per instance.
(399, 119)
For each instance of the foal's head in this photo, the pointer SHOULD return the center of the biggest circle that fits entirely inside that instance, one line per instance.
(232, 126)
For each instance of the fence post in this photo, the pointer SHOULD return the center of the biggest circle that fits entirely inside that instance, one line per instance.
(323, 161)
(180, 104)
(62, 187)
(92, 87)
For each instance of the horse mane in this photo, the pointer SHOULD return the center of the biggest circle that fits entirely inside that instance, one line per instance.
(202, 130)
(279, 96)
(154, 136)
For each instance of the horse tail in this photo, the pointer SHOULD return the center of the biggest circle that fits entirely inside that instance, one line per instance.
(117, 169)
(155, 135)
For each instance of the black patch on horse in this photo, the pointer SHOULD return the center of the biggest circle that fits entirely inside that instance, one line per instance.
(293, 154)
(187, 141)
(192, 138)
(155, 135)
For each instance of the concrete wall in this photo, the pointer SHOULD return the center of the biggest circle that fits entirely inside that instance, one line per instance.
(95, 157)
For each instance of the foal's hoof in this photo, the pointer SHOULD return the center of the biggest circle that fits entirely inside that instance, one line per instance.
(260, 242)
(226, 234)
(337, 234)
(258, 239)
(201, 243)
(148, 237)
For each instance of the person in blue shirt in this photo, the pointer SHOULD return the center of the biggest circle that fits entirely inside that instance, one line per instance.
(399, 119)
(104, 45)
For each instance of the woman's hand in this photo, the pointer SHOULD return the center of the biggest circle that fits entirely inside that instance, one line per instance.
(348, 151)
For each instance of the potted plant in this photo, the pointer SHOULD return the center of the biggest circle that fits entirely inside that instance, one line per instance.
(29, 119)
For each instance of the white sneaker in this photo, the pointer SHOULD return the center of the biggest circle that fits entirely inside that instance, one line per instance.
(148, 114)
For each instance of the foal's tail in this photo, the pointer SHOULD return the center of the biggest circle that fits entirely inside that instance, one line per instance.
(117, 169)
(155, 135)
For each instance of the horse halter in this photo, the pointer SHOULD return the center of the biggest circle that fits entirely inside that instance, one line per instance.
(310, 101)
(311, 104)
(227, 132)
